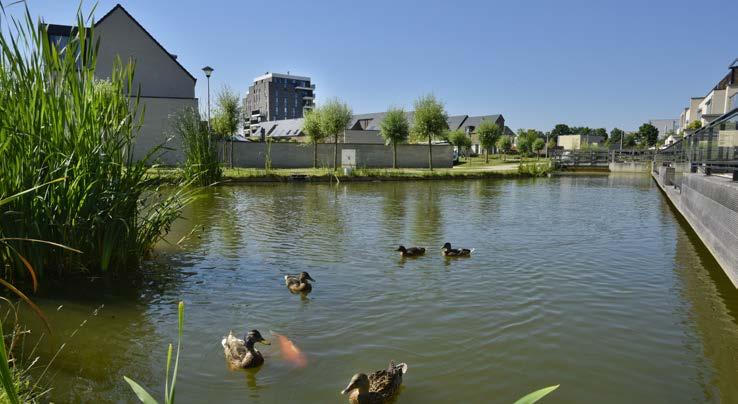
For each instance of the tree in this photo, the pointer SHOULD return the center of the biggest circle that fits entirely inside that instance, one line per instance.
(615, 136)
(313, 131)
(430, 120)
(394, 129)
(526, 139)
(601, 132)
(694, 125)
(630, 140)
(334, 117)
(459, 139)
(559, 130)
(538, 145)
(648, 134)
(488, 133)
(227, 115)
(504, 144)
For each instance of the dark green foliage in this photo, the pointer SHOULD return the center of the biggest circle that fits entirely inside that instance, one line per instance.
(430, 121)
(395, 129)
(488, 132)
(648, 135)
(559, 130)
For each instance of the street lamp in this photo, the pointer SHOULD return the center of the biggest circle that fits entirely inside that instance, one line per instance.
(208, 71)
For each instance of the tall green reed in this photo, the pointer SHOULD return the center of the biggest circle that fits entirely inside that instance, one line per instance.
(58, 121)
(201, 164)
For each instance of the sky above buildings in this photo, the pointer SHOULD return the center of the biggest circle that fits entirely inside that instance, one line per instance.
(585, 63)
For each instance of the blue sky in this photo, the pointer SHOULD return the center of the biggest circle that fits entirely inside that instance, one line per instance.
(599, 64)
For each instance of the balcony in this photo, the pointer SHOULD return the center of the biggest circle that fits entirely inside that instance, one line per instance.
(308, 97)
(309, 88)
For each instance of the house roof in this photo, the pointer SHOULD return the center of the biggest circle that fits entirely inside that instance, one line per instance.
(453, 121)
(67, 30)
(283, 128)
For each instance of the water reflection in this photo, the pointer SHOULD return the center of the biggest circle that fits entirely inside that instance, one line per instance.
(574, 280)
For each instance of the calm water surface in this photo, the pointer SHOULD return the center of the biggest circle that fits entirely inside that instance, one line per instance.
(588, 282)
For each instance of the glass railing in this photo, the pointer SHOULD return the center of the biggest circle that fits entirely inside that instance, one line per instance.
(712, 149)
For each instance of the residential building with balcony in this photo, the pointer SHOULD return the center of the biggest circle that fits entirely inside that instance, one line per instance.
(276, 96)
(718, 101)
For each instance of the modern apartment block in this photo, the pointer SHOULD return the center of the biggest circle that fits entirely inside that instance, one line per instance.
(720, 100)
(276, 96)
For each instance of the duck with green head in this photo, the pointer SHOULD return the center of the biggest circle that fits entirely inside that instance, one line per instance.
(240, 353)
(377, 388)
(299, 283)
(455, 252)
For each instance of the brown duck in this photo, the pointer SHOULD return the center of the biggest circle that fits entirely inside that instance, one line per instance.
(378, 388)
(299, 283)
(240, 353)
(411, 252)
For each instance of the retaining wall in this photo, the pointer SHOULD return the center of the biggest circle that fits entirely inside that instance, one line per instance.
(710, 206)
(633, 167)
(300, 155)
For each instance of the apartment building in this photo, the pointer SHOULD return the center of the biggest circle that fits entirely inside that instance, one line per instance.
(720, 100)
(276, 96)
(165, 86)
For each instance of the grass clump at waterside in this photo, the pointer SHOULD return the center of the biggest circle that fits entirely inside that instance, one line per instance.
(58, 121)
(201, 165)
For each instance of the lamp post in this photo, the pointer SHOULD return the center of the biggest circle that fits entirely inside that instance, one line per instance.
(208, 71)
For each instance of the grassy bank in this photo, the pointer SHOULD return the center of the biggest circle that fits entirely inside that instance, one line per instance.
(364, 174)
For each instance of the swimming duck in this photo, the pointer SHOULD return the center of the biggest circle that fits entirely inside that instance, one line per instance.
(378, 388)
(299, 283)
(411, 252)
(455, 252)
(240, 353)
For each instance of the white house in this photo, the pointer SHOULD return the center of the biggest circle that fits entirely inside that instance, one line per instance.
(166, 87)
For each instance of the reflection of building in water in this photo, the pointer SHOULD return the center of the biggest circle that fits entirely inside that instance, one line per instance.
(714, 310)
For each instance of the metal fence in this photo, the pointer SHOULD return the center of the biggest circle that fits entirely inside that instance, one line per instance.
(599, 157)
(712, 149)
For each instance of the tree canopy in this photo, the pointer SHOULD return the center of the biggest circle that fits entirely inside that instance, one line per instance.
(335, 115)
(430, 121)
(395, 128)
(227, 113)
(488, 133)
(559, 130)
(648, 134)
(312, 126)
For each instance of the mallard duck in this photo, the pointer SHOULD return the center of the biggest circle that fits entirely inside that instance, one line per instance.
(240, 353)
(378, 388)
(455, 252)
(411, 252)
(299, 283)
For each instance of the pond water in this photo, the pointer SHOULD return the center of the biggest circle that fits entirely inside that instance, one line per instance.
(588, 282)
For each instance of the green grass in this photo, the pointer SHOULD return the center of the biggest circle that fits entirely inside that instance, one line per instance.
(58, 122)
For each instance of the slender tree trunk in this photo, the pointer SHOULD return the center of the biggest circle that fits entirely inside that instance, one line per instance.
(394, 154)
(486, 155)
(335, 152)
(430, 153)
(315, 154)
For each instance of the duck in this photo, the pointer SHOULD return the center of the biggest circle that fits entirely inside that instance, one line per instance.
(299, 283)
(377, 388)
(240, 353)
(455, 252)
(411, 252)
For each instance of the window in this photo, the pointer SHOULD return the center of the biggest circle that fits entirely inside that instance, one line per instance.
(734, 101)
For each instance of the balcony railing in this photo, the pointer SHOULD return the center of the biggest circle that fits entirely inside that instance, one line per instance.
(712, 149)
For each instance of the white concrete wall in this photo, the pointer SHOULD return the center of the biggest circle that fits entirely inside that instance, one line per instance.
(156, 72)
(569, 142)
(157, 129)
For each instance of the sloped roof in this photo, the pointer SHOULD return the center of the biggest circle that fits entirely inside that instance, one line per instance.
(453, 121)
(283, 128)
(68, 30)
(476, 120)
